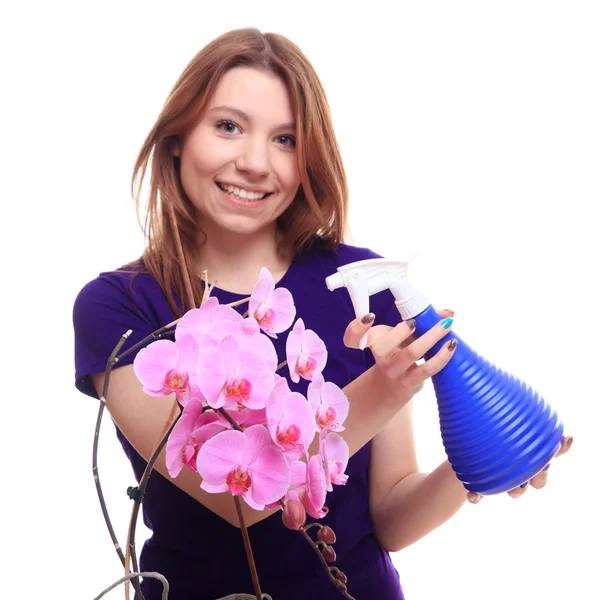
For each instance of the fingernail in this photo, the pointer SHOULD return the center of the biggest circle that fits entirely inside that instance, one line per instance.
(569, 441)
(447, 322)
(546, 467)
(368, 318)
(411, 324)
(452, 345)
(449, 310)
(524, 485)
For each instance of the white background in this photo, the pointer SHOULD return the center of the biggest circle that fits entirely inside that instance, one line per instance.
(470, 133)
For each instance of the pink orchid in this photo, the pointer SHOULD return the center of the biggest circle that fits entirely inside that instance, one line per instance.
(198, 320)
(306, 353)
(234, 377)
(191, 431)
(297, 481)
(244, 463)
(272, 308)
(328, 403)
(335, 454)
(248, 335)
(164, 367)
(313, 495)
(290, 419)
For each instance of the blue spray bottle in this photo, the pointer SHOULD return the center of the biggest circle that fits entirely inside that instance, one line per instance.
(497, 431)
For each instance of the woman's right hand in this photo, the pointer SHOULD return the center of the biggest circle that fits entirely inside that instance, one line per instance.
(397, 352)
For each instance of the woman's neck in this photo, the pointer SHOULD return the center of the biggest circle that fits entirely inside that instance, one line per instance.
(233, 262)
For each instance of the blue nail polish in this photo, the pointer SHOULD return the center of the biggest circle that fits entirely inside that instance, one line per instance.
(447, 322)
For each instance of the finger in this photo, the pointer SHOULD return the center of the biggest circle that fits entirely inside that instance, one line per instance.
(424, 343)
(417, 374)
(567, 442)
(539, 481)
(518, 491)
(474, 498)
(388, 345)
(356, 330)
(445, 313)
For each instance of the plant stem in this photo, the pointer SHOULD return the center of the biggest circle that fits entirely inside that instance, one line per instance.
(230, 419)
(109, 365)
(150, 574)
(142, 489)
(249, 555)
(324, 562)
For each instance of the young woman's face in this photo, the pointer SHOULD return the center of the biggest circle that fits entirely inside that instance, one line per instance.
(238, 164)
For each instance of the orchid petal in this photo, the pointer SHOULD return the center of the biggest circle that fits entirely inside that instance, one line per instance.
(211, 376)
(153, 363)
(220, 455)
(251, 366)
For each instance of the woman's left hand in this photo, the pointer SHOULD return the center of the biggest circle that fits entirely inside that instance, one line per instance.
(537, 481)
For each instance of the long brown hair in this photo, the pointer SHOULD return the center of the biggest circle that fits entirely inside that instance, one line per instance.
(171, 227)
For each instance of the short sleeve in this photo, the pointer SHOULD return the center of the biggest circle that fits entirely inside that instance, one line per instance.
(103, 311)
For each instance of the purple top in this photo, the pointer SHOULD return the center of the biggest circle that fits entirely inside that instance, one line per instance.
(201, 555)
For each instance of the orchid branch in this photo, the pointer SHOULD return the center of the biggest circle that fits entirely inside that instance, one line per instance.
(139, 495)
(150, 574)
(315, 546)
(112, 359)
(248, 547)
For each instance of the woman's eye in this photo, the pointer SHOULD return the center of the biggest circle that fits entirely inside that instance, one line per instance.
(228, 127)
(289, 141)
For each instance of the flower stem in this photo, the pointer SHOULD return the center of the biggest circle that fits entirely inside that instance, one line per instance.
(230, 419)
(112, 359)
(281, 365)
(163, 437)
(150, 574)
(323, 561)
(168, 427)
(249, 555)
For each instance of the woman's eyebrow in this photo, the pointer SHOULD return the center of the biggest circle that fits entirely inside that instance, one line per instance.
(242, 115)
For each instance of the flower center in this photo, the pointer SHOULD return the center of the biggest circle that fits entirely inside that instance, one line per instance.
(326, 418)
(238, 482)
(288, 437)
(264, 317)
(306, 366)
(239, 391)
(176, 381)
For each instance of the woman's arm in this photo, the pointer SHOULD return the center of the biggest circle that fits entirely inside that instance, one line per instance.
(405, 504)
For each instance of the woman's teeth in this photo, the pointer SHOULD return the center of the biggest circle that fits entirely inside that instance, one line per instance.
(242, 194)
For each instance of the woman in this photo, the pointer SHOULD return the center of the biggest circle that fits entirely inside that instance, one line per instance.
(245, 173)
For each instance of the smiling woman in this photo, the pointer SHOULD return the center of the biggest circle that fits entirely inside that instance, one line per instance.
(238, 164)
(246, 185)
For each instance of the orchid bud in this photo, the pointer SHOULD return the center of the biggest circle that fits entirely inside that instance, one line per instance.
(342, 577)
(326, 534)
(294, 515)
(328, 554)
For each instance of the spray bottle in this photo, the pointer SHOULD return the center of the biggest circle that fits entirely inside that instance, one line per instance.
(497, 431)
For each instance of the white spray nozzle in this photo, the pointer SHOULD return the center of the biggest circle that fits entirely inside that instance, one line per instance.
(366, 277)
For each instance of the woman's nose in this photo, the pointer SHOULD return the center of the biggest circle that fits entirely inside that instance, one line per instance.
(254, 159)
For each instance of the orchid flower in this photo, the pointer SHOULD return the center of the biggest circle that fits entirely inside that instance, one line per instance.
(290, 419)
(306, 353)
(234, 377)
(315, 491)
(335, 454)
(191, 431)
(198, 320)
(272, 308)
(164, 367)
(244, 464)
(328, 403)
